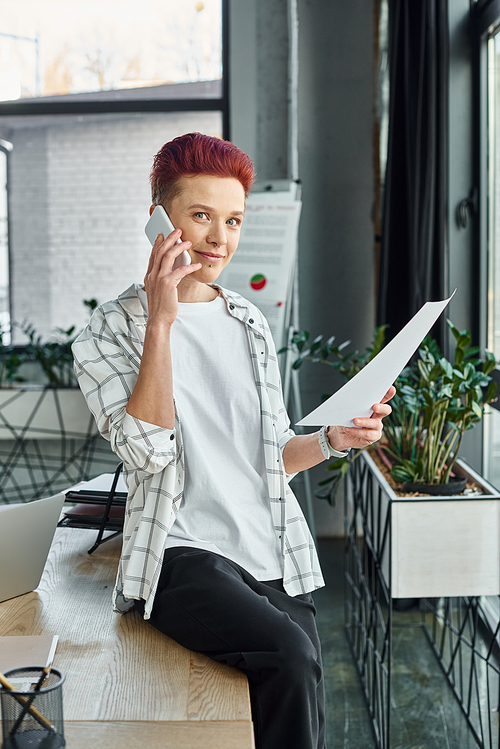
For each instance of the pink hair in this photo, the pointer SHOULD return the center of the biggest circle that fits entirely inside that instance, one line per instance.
(193, 154)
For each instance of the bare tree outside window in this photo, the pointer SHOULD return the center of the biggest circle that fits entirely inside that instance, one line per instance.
(106, 46)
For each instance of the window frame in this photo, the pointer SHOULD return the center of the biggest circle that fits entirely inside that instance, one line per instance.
(81, 105)
(485, 18)
(144, 104)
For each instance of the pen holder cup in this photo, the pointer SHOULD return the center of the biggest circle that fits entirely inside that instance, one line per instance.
(32, 719)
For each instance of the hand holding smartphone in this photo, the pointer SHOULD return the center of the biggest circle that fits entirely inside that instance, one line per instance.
(159, 223)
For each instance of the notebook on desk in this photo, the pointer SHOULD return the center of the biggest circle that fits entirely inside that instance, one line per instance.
(26, 533)
(91, 497)
(97, 488)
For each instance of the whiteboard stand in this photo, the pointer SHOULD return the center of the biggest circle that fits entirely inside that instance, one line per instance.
(293, 398)
(304, 475)
(286, 191)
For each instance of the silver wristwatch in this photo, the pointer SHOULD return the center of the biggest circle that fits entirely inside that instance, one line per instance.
(326, 448)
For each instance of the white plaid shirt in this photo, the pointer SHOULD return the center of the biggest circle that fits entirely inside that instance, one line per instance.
(107, 358)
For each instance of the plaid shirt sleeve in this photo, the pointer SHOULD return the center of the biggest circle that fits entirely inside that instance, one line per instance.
(107, 365)
(283, 429)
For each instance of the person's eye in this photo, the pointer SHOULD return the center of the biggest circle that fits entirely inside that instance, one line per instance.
(233, 222)
(200, 214)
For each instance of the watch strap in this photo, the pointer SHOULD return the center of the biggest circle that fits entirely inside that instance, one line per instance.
(326, 448)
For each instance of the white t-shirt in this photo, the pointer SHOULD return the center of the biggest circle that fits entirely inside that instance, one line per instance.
(226, 505)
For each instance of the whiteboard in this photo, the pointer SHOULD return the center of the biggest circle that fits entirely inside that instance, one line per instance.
(262, 267)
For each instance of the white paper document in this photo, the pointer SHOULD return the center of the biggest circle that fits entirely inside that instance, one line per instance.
(357, 396)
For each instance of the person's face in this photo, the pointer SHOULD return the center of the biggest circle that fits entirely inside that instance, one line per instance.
(209, 211)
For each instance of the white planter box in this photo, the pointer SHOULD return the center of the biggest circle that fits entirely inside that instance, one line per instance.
(435, 546)
(49, 413)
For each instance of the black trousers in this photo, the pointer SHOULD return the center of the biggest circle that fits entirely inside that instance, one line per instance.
(212, 605)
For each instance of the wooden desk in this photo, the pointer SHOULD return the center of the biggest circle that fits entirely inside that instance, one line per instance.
(125, 682)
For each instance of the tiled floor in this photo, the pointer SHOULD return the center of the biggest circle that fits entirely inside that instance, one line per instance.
(425, 713)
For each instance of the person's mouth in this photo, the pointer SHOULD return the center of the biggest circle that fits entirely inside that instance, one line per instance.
(210, 257)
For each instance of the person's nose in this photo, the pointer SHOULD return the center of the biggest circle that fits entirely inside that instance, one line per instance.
(217, 236)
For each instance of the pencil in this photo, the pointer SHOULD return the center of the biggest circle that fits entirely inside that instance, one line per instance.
(23, 700)
(29, 701)
(45, 673)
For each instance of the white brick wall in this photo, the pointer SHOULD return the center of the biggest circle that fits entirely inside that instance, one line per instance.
(30, 268)
(79, 201)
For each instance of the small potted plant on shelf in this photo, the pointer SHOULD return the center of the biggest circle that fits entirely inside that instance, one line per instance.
(52, 404)
(54, 356)
(437, 401)
(48, 437)
(52, 359)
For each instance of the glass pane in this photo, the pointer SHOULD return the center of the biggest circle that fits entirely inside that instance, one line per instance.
(494, 193)
(383, 90)
(55, 47)
(79, 201)
(492, 446)
(4, 252)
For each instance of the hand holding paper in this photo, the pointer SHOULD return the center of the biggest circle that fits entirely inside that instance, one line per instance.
(356, 397)
(366, 431)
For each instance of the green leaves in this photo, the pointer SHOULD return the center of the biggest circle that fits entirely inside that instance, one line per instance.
(347, 363)
(446, 367)
(407, 470)
(462, 337)
(437, 401)
(491, 392)
(490, 363)
(53, 356)
(478, 411)
(378, 341)
(341, 464)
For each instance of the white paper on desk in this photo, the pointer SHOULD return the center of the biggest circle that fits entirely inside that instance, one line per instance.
(100, 483)
(356, 397)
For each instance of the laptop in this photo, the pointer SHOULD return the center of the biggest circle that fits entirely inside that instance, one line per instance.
(26, 533)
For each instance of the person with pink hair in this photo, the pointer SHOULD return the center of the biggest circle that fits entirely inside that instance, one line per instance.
(182, 378)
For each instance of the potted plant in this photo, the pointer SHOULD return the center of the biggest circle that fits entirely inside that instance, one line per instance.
(48, 438)
(10, 361)
(437, 401)
(402, 541)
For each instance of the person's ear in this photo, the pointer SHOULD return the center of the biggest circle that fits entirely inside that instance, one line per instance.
(151, 209)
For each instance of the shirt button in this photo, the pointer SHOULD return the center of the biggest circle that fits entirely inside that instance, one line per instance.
(172, 436)
(251, 321)
(231, 306)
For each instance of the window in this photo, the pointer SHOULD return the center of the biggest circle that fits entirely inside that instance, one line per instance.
(88, 94)
(494, 192)
(79, 200)
(55, 48)
(492, 421)
(381, 120)
(486, 27)
(5, 148)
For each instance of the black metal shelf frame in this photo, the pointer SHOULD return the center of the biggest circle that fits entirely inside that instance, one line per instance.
(466, 650)
(28, 468)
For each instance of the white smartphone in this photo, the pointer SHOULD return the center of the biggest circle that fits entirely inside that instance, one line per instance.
(159, 223)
